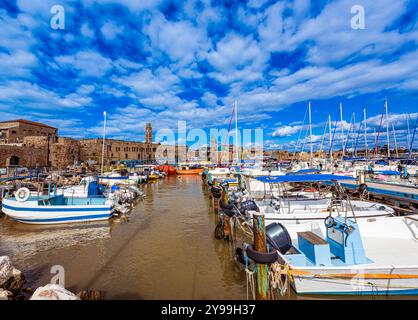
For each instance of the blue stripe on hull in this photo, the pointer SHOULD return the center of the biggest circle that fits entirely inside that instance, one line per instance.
(54, 209)
(79, 218)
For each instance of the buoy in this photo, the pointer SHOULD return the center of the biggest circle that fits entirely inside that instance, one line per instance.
(22, 194)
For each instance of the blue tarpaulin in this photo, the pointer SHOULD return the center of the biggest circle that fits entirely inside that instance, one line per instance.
(303, 178)
(304, 171)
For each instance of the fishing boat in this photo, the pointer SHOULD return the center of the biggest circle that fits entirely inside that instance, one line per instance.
(347, 257)
(280, 204)
(54, 208)
(189, 170)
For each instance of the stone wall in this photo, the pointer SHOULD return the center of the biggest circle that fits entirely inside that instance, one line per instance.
(115, 150)
(64, 153)
(20, 155)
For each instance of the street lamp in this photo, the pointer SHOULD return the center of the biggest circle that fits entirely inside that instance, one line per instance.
(103, 144)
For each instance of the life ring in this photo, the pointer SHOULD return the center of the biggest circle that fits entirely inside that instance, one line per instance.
(22, 194)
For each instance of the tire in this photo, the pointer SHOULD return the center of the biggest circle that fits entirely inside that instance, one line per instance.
(262, 258)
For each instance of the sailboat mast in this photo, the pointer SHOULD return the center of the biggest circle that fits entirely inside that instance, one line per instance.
(342, 125)
(236, 132)
(365, 132)
(310, 129)
(394, 139)
(409, 132)
(330, 134)
(387, 127)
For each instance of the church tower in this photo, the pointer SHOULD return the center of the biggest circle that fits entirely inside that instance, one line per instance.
(148, 133)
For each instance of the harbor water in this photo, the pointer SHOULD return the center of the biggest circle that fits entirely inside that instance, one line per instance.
(164, 249)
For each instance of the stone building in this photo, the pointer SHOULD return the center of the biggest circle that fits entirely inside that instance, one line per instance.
(117, 150)
(31, 144)
(14, 131)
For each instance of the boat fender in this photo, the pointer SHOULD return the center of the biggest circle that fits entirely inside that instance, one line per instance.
(22, 194)
(262, 257)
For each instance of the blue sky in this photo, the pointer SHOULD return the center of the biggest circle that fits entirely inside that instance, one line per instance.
(163, 61)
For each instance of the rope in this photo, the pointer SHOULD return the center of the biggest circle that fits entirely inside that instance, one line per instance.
(249, 280)
(280, 277)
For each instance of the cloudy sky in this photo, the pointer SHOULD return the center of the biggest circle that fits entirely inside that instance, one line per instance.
(162, 61)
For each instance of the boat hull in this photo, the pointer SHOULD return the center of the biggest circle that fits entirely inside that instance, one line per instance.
(366, 281)
(190, 171)
(31, 214)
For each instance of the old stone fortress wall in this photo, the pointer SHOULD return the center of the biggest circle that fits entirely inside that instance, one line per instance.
(32, 144)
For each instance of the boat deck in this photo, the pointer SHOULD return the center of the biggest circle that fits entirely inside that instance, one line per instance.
(386, 189)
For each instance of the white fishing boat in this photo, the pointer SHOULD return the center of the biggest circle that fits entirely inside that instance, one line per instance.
(283, 206)
(115, 178)
(54, 208)
(88, 186)
(347, 257)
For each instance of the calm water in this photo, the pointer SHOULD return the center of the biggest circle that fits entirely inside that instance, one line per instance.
(164, 249)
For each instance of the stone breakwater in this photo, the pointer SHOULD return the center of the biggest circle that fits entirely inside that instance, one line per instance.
(12, 283)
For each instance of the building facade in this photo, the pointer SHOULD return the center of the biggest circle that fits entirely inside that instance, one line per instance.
(16, 130)
(31, 144)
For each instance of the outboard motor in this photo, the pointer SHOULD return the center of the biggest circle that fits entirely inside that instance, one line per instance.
(278, 237)
(248, 205)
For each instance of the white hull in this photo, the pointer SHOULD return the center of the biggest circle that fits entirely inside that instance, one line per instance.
(31, 213)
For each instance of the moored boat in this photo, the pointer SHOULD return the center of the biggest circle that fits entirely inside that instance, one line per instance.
(54, 208)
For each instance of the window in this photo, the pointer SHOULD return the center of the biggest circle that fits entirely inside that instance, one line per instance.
(13, 132)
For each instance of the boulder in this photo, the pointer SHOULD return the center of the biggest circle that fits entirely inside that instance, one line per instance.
(53, 292)
(90, 295)
(11, 279)
(5, 295)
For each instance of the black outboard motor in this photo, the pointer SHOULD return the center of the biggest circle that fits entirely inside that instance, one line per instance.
(278, 237)
(248, 205)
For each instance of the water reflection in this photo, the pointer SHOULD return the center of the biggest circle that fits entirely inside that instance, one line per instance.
(164, 249)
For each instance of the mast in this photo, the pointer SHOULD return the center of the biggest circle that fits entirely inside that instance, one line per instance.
(236, 131)
(342, 125)
(330, 134)
(103, 144)
(394, 139)
(310, 129)
(387, 127)
(365, 132)
(409, 132)
(354, 129)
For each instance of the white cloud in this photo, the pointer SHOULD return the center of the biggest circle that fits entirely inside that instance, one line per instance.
(88, 63)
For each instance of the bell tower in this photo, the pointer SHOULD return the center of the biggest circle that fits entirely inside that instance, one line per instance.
(148, 133)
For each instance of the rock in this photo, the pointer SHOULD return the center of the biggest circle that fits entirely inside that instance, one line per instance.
(90, 295)
(53, 292)
(10, 278)
(5, 295)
